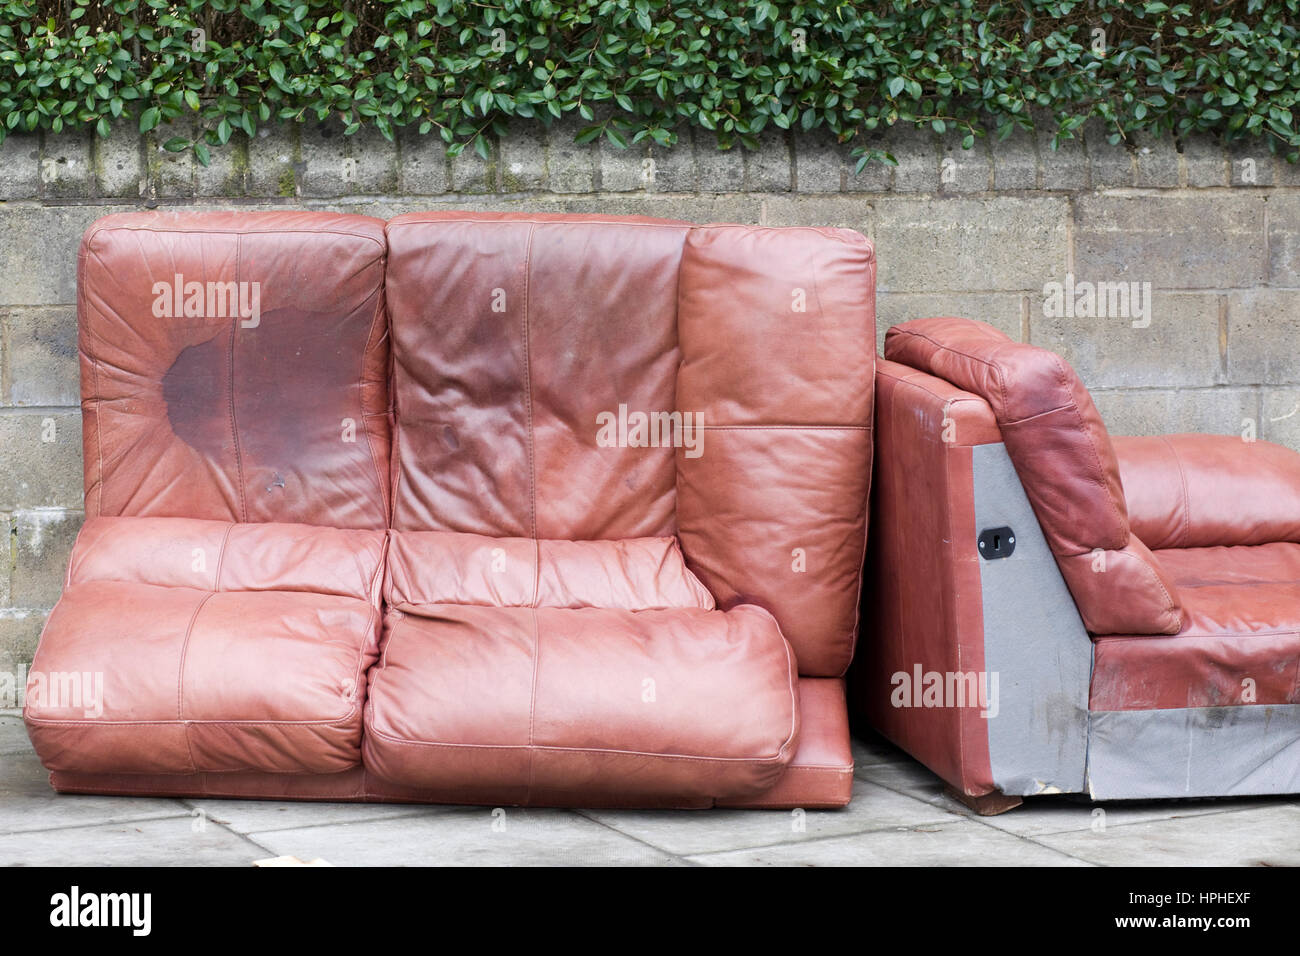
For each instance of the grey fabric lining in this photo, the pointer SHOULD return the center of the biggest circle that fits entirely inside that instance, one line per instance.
(1034, 640)
(1195, 752)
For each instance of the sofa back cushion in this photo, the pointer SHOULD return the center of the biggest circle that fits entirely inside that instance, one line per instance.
(1065, 460)
(1204, 491)
(597, 378)
(234, 367)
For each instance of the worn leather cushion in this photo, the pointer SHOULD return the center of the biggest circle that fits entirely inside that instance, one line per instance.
(539, 704)
(636, 574)
(189, 670)
(1241, 644)
(511, 335)
(778, 343)
(1065, 460)
(234, 366)
(1197, 491)
(821, 773)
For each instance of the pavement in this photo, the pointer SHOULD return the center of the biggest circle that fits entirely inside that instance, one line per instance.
(899, 817)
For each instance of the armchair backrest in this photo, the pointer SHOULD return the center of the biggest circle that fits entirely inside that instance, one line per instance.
(1065, 460)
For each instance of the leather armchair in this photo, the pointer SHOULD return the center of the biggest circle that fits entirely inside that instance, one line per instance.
(1053, 610)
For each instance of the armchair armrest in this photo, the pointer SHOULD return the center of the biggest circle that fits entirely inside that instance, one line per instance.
(1200, 491)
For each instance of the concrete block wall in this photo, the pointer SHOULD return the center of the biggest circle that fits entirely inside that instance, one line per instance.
(981, 232)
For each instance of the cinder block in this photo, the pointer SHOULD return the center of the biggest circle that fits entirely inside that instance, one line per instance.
(674, 166)
(1217, 411)
(371, 165)
(1281, 422)
(1117, 349)
(38, 251)
(626, 170)
(20, 631)
(975, 245)
(170, 175)
(570, 166)
(964, 170)
(523, 159)
(1205, 161)
(119, 162)
(66, 165)
(1158, 162)
(274, 169)
(821, 163)
(227, 172)
(825, 210)
(326, 170)
(41, 361)
(1065, 168)
(768, 169)
(1015, 160)
(471, 173)
(1001, 310)
(1284, 239)
(20, 166)
(1109, 164)
(423, 162)
(917, 152)
(1251, 163)
(718, 170)
(1173, 241)
(42, 543)
(1263, 329)
(41, 467)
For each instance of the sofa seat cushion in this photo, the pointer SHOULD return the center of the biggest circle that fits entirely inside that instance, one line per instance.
(545, 705)
(165, 656)
(427, 568)
(1240, 645)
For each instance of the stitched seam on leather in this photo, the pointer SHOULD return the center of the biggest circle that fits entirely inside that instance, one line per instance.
(238, 232)
(532, 503)
(1171, 606)
(777, 757)
(802, 428)
(1096, 453)
(221, 557)
(180, 681)
(792, 681)
(200, 722)
(361, 401)
(234, 425)
(83, 309)
(1187, 499)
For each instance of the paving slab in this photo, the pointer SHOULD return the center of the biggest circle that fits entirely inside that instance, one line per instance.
(480, 836)
(958, 843)
(248, 816)
(1266, 836)
(711, 831)
(28, 802)
(1071, 814)
(174, 841)
(13, 736)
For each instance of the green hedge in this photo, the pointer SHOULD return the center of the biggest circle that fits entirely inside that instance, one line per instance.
(647, 69)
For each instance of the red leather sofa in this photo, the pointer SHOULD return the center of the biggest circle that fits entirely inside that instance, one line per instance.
(1053, 610)
(499, 509)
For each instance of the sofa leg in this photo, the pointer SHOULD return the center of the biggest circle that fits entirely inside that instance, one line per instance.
(989, 805)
